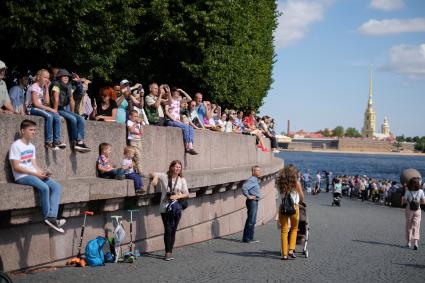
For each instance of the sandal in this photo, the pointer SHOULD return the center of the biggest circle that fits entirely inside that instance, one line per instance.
(292, 254)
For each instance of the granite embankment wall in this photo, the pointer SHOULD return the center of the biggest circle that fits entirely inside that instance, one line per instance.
(215, 177)
(364, 145)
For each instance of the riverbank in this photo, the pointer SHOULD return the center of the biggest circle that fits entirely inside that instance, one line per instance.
(359, 152)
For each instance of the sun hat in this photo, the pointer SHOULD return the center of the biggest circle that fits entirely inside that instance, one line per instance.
(63, 73)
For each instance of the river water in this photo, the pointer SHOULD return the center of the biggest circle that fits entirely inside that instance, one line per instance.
(378, 166)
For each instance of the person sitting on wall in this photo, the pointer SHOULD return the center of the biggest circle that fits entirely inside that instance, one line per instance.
(172, 112)
(200, 107)
(104, 167)
(26, 171)
(62, 100)
(153, 104)
(105, 107)
(37, 103)
(193, 118)
(5, 104)
(251, 128)
(17, 93)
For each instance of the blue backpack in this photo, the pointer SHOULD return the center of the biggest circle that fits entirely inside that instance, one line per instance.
(94, 252)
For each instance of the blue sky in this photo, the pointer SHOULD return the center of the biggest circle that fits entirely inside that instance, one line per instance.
(324, 52)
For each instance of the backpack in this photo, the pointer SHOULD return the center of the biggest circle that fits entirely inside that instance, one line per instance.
(94, 252)
(414, 204)
(287, 206)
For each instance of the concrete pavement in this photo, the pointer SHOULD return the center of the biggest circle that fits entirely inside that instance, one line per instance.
(357, 242)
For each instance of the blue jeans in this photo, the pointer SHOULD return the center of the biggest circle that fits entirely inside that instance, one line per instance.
(138, 183)
(52, 124)
(50, 194)
(248, 231)
(112, 173)
(187, 130)
(76, 124)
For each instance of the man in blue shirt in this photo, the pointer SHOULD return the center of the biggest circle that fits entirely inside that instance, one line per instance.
(251, 190)
(200, 107)
(17, 94)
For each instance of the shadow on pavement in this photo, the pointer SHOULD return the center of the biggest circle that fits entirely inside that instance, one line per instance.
(230, 240)
(262, 253)
(379, 243)
(421, 266)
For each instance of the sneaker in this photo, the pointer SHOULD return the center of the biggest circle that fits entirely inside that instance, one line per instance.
(265, 150)
(415, 247)
(51, 146)
(254, 241)
(60, 222)
(408, 244)
(120, 177)
(52, 222)
(191, 151)
(141, 191)
(81, 147)
(59, 144)
(276, 151)
(168, 257)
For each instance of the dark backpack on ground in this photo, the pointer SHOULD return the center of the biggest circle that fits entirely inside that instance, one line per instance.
(414, 204)
(287, 206)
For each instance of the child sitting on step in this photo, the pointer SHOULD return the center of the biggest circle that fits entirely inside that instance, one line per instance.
(128, 166)
(104, 167)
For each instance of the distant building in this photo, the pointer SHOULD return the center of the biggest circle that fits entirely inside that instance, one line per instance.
(369, 124)
(385, 128)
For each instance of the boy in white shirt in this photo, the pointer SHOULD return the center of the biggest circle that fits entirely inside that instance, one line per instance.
(26, 172)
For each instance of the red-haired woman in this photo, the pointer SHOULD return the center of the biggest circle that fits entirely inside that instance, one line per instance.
(173, 188)
(105, 106)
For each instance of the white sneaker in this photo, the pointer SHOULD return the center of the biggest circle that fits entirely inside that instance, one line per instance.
(409, 244)
(52, 223)
(276, 151)
(60, 222)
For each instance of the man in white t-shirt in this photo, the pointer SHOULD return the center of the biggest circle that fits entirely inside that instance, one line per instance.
(26, 172)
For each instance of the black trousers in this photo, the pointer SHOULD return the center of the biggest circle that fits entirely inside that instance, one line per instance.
(170, 227)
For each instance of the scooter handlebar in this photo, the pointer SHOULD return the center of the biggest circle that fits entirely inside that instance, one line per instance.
(88, 212)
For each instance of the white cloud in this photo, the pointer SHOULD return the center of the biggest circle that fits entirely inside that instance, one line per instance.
(407, 60)
(387, 5)
(296, 20)
(392, 26)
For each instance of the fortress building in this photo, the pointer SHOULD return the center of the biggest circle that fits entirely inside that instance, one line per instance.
(385, 127)
(369, 124)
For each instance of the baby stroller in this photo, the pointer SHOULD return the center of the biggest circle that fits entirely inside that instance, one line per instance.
(303, 229)
(337, 199)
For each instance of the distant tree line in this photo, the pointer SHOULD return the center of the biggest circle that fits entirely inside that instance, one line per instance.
(221, 48)
(419, 141)
(339, 131)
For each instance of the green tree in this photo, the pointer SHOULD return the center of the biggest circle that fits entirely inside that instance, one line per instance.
(86, 36)
(222, 48)
(326, 132)
(338, 131)
(352, 133)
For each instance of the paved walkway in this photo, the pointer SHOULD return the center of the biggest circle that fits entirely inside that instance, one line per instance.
(358, 242)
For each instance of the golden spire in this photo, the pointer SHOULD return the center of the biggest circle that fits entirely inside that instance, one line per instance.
(370, 88)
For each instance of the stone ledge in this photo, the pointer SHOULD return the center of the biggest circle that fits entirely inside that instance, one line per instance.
(15, 196)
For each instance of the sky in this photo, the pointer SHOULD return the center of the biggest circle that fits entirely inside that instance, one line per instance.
(324, 52)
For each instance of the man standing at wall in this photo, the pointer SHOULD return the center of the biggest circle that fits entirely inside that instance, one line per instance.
(251, 190)
(5, 104)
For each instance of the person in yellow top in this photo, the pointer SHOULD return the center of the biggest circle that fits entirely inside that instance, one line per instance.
(288, 184)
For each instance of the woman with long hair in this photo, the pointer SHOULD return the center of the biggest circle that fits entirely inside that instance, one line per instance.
(105, 106)
(289, 184)
(414, 197)
(173, 188)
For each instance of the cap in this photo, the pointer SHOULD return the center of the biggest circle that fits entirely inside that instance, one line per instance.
(123, 82)
(63, 73)
(2, 65)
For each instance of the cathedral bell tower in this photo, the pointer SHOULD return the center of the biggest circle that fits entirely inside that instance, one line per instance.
(369, 124)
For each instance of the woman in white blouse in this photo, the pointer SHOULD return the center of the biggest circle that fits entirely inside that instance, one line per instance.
(173, 188)
(288, 183)
(414, 197)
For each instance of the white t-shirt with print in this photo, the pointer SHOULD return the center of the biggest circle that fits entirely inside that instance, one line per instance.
(180, 187)
(138, 130)
(25, 153)
(35, 87)
(126, 162)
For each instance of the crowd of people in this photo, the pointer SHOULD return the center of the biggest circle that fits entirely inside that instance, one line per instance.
(56, 93)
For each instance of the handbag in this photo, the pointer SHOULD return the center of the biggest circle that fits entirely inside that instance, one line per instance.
(182, 202)
(414, 204)
(287, 206)
(152, 115)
